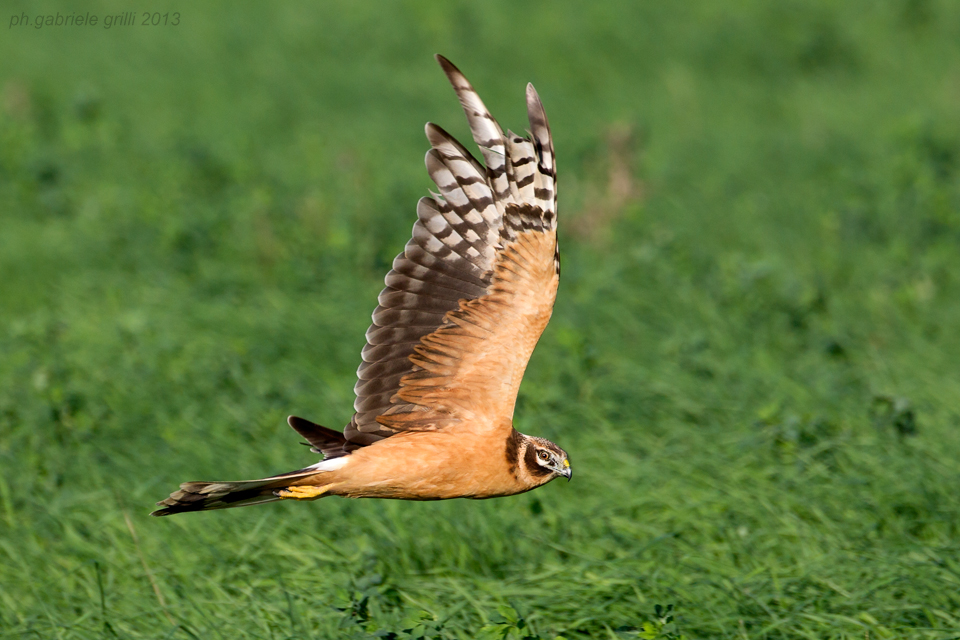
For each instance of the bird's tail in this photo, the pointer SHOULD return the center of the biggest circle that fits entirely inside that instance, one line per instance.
(207, 496)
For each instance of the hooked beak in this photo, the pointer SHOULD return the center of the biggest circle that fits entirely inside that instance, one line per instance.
(567, 470)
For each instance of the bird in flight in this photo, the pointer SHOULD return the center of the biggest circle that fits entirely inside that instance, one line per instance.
(463, 308)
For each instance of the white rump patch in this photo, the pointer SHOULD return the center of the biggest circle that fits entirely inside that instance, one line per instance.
(330, 465)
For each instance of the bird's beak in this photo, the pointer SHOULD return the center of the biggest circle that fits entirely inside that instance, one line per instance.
(567, 470)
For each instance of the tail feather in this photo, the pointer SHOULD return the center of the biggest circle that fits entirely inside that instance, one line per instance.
(207, 496)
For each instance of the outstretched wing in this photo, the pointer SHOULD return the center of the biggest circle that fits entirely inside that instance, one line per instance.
(467, 300)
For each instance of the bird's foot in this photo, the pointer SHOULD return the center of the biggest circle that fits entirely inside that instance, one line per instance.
(302, 492)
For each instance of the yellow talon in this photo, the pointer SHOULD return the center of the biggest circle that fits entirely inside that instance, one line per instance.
(303, 492)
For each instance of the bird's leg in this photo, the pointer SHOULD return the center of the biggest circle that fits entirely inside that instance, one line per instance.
(306, 492)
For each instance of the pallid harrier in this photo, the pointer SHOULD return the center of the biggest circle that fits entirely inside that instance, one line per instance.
(464, 306)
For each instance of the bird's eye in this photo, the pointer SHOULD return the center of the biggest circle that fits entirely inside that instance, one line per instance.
(543, 455)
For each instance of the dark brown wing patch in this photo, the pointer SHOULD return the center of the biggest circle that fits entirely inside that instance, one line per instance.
(322, 440)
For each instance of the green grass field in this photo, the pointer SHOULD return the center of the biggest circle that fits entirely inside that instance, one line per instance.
(753, 360)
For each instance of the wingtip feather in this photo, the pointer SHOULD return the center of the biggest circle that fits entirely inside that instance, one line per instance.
(445, 64)
(536, 113)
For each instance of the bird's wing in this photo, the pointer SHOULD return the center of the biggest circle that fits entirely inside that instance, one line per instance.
(467, 300)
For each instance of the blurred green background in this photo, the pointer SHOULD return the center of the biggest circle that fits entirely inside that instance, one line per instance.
(753, 360)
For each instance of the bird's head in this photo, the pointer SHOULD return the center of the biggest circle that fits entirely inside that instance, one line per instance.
(543, 460)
